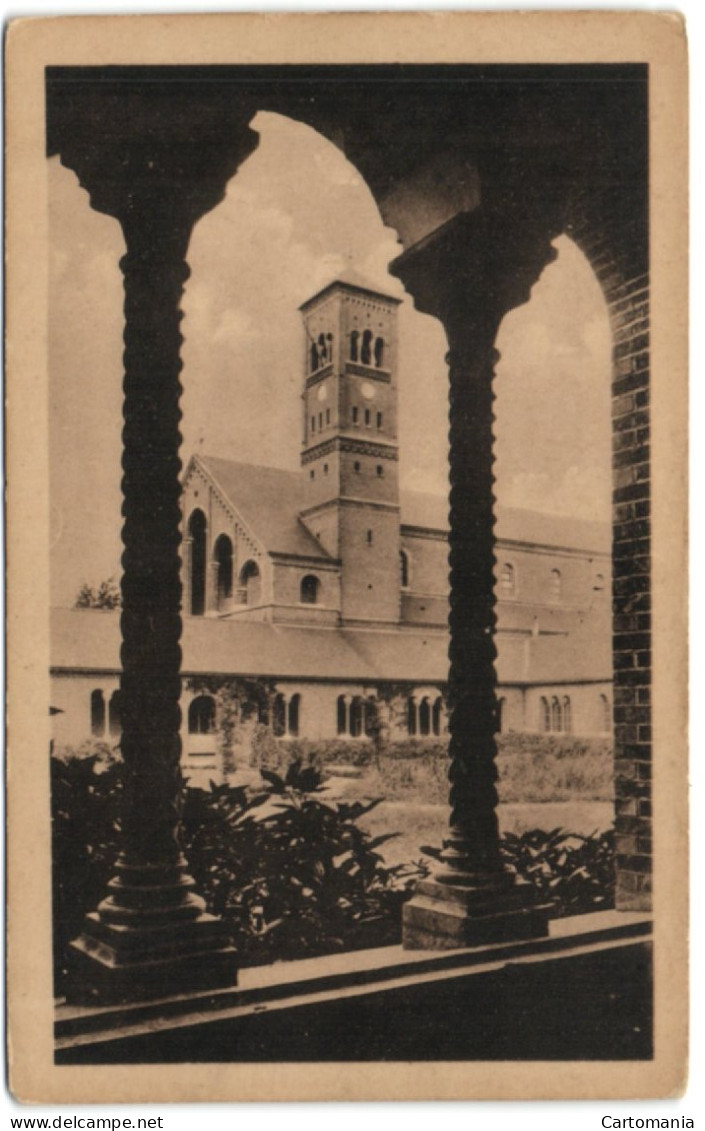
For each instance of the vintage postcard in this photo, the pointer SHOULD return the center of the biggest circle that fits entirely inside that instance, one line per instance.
(346, 386)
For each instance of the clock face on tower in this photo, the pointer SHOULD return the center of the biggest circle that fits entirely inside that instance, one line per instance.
(368, 391)
(322, 393)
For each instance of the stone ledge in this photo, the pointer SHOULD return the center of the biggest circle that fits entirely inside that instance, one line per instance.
(318, 980)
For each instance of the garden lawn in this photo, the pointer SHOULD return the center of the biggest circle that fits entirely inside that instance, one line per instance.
(545, 782)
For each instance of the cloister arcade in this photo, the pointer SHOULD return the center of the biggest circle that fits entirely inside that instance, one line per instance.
(478, 171)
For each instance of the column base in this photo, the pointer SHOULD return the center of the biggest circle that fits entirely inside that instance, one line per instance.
(442, 916)
(113, 963)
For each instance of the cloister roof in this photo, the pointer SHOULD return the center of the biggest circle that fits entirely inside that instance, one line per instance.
(88, 640)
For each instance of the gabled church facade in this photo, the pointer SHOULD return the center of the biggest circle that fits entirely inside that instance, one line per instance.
(332, 583)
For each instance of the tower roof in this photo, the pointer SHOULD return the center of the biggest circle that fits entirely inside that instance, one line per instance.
(354, 282)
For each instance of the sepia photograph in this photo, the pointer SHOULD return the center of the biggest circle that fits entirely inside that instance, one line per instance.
(355, 741)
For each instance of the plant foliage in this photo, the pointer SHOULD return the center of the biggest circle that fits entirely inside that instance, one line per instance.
(104, 596)
(575, 873)
(290, 873)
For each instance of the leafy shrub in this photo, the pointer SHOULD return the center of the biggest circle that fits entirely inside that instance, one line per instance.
(265, 751)
(290, 874)
(102, 753)
(86, 793)
(575, 873)
(278, 753)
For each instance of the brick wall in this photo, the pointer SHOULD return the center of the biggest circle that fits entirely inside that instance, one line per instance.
(615, 246)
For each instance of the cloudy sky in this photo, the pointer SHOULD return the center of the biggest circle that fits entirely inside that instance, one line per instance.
(295, 216)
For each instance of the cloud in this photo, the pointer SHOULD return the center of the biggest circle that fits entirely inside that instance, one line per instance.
(581, 491)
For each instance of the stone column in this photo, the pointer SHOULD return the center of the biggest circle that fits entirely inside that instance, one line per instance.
(472, 898)
(157, 172)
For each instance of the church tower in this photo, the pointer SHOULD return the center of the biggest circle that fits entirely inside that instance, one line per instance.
(350, 453)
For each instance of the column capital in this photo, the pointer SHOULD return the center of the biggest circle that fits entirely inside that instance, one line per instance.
(473, 270)
(152, 157)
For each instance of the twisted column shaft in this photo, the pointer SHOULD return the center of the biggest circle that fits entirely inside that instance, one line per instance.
(473, 842)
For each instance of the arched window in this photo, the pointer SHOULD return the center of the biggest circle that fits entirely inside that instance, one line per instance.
(197, 533)
(424, 717)
(380, 470)
(293, 715)
(501, 712)
(356, 717)
(356, 466)
(556, 716)
(379, 419)
(322, 350)
(437, 716)
(115, 713)
(279, 716)
(355, 414)
(411, 715)
(354, 339)
(404, 569)
(544, 715)
(567, 715)
(605, 714)
(313, 423)
(310, 588)
(201, 715)
(97, 713)
(314, 357)
(370, 716)
(366, 351)
(507, 580)
(556, 585)
(368, 418)
(379, 352)
(369, 537)
(327, 416)
(341, 715)
(223, 553)
(250, 584)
